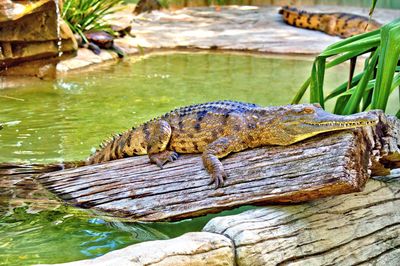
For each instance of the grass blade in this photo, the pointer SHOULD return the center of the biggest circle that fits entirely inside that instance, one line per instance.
(354, 102)
(301, 91)
(343, 87)
(317, 81)
(390, 52)
(371, 10)
(366, 43)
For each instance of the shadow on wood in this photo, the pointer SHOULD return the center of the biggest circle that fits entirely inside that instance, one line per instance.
(330, 164)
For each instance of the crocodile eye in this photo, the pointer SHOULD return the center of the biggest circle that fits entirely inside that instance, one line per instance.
(308, 110)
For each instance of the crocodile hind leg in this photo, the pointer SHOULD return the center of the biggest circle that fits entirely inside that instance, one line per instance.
(163, 157)
(219, 149)
(158, 134)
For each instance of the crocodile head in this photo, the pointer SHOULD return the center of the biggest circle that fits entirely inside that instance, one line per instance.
(299, 122)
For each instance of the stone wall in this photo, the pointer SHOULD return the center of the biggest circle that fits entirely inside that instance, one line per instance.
(32, 39)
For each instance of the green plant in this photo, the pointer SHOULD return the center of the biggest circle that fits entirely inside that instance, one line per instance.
(88, 15)
(369, 89)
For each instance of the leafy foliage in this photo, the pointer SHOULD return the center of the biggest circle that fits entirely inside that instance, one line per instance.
(371, 88)
(86, 15)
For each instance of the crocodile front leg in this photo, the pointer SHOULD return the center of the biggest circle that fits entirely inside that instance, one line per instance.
(158, 134)
(219, 149)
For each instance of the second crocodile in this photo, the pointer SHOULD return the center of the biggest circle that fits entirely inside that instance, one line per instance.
(338, 24)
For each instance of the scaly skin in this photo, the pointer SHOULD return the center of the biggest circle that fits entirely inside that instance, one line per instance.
(337, 24)
(217, 129)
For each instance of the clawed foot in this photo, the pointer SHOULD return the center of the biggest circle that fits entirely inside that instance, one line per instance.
(218, 177)
(163, 157)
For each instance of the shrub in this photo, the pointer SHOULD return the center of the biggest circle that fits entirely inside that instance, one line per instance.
(88, 15)
(369, 89)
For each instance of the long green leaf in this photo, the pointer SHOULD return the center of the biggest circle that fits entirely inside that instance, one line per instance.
(390, 52)
(321, 77)
(340, 59)
(371, 10)
(354, 102)
(367, 98)
(342, 87)
(340, 104)
(301, 91)
(313, 84)
(352, 39)
(317, 81)
(366, 43)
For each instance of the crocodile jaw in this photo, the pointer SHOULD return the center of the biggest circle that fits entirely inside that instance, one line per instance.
(323, 121)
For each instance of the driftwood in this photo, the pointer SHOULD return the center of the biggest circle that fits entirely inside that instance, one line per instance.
(327, 165)
(18, 187)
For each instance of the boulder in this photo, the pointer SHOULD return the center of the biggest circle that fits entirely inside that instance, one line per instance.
(354, 229)
(33, 39)
(193, 249)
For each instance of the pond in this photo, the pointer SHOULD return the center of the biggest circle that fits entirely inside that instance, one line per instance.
(63, 120)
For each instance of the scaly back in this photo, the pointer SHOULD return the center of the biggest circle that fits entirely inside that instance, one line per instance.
(188, 121)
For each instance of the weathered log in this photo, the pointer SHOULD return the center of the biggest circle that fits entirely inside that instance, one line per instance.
(327, 165)
(18, 187)
(355, 229)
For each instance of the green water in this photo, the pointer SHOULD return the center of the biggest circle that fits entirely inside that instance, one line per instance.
(47, 121)
(64, 120)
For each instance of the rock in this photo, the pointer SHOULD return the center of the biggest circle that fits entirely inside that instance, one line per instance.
(146, 6)
(31, 44)
(360, 228)
(249, 28)
(193, 249)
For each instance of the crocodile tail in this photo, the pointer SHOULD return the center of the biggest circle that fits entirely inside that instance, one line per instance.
(338, 24)
(300, 18)
(120, 146)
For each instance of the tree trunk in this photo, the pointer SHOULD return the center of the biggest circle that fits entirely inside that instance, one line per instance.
(330, 164)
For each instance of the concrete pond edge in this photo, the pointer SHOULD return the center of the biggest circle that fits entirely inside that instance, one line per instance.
(251, 29)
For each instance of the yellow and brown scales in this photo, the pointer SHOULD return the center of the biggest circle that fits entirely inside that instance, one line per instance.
(217, 129)
(339, 24)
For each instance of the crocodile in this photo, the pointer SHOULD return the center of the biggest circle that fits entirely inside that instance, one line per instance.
(337, 24)
(217, 129)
